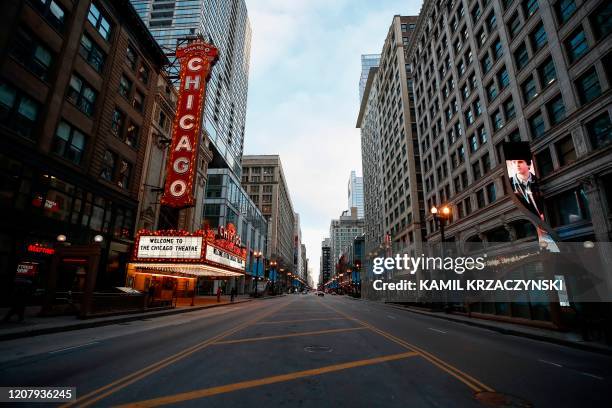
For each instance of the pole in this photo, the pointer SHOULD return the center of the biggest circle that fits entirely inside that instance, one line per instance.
(256, 273)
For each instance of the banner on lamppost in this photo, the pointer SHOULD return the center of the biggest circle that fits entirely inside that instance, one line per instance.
(196, 60)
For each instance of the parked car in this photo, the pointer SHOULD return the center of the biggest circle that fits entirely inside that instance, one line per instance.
(320, 293)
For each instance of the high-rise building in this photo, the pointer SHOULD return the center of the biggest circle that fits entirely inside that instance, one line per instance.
(326, 261)
(515, 71)
(226, 25)
(264, 180)
(371, 161)
(389, 142)
(495, 71)
(367, 61)
(297, 246)
(341, 234)
(355, 193)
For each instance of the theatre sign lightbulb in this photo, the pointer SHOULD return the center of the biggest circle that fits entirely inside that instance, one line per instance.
(196, 60)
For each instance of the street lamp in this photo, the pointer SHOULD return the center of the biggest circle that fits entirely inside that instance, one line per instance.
(440, 216)
(257, 255)
(273, 268)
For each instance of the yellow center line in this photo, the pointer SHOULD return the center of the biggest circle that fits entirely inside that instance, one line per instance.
(207, 392)
(301, 320)
(104, 391)
(282, 336)
(465, 378)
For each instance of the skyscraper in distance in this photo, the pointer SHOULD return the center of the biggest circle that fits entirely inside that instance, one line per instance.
(367, 61)
(355, 193)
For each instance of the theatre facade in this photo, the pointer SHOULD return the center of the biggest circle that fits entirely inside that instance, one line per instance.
(173, 263)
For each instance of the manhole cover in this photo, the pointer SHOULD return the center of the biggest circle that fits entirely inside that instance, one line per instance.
(496, 399)
(318, 349)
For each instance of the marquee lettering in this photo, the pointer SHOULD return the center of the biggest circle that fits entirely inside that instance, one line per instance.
(196, 60)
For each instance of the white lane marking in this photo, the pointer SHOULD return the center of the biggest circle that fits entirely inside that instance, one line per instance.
(550, 362)
(73, 347)
(592, 375)
(391, 317)
(436, 330)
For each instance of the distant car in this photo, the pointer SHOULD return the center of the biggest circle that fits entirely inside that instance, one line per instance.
(320, 294)
(334, 293)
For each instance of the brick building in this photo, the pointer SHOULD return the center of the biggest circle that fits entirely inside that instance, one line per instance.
(77, 84)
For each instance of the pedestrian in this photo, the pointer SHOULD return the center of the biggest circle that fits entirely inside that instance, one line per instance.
(218, 294)
(151, 294)
(22, 289)
(233, 294)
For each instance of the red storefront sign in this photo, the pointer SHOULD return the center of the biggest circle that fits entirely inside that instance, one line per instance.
(196, 60)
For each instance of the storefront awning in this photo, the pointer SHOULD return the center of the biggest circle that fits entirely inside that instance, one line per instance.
(184, 270)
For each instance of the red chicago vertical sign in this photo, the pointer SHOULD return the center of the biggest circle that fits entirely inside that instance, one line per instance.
(196, 59)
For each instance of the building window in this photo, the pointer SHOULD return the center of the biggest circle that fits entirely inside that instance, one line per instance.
(568, 208)
(143, 74)
(600, 131)
(545, 163)
(601, 20)
(576, 45)
(498, 50)
(267, 189)
(503, 78)
(108, 166)
(492, 91)
(529, 89)
(538, 37)
(482, 135)
(125, 86)
(18, 111)
(536, 124)
(117, 122)
(476, 171)
(469, 117)
(82, 95)
(514, 26)
(131, 135)
(130, 57)
(486, 163)
(547, 72)
(69, 143)
(92, 53)
(497, 120)
(565, 9)
(473, 143)
(138, 101)
(31, 53)
(509, 109)
(125, 169)
(588, 86)
(51, 11)
(530, 7)
(565, 151)
(487, 63)
(556, 110)
(491, 194)
(480, 199)
(521, 57)
(99, 21)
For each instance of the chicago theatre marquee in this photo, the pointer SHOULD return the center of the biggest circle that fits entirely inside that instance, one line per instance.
(172, 261)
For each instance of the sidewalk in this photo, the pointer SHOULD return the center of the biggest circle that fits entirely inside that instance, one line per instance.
(568, 339)
(33, 325)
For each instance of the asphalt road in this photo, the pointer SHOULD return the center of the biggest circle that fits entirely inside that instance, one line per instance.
(306, 351)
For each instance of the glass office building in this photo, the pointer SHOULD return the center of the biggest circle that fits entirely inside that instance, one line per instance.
(226, 25)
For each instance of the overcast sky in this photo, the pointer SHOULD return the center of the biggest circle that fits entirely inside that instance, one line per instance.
(303, 97)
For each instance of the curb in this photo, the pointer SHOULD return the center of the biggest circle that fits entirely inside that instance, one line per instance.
(89, 324)
(509, 331)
